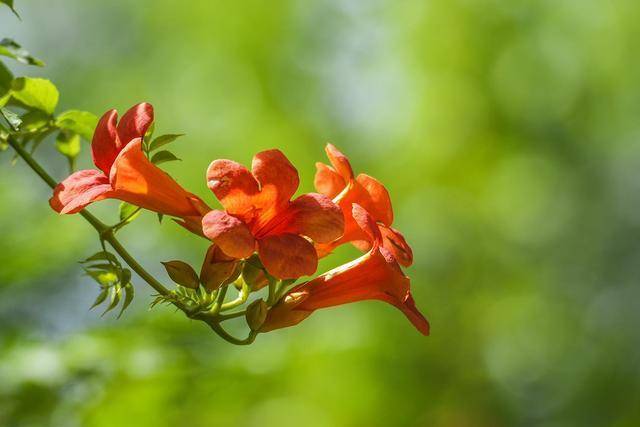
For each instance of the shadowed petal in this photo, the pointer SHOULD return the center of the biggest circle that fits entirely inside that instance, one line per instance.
(277, 177)
(327, 181)
(315, 216)
(105, 145)
(135, 122)
(234, 186)
(138, 181)
(229, 233)
(287, 256)
(78, 190)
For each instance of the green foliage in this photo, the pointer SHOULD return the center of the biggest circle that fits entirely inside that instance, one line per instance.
(36, 93)
(9, 3)
(12, 118)
(163, 157)
(11, 49)
(68, 144)
(128, 212)
(114, 280)
(163, 140)
(81, 122)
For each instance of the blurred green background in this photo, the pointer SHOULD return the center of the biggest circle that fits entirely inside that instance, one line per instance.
(508, 133)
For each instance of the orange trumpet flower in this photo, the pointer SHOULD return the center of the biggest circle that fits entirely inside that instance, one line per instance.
(338, 182)
(259, 214)
(124, 172)
(374, 276)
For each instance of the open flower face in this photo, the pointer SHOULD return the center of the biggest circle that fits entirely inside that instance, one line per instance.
(374, 276)
(124, 172)
(259, 215)
(338, 182)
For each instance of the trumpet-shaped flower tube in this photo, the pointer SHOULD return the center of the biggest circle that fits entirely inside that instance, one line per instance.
(260, 215)
(338, 182)
(374, 276)
(124, 172)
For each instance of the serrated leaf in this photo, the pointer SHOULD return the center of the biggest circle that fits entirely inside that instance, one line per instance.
(129, 293)
(13, 119)
(116, 294)
(129, 212)
(36, 93)
(162, 157)
(101, 297)
(10, 48)
(68, 144)
(81, 122)
(163, 140)
(10, 4)
(102, 255)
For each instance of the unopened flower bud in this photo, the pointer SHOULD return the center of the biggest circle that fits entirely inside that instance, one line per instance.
(182, 273)
(253, 274)
(256, 314)
(218, 269)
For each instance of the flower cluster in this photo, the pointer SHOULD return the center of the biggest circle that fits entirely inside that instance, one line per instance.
(262, 236)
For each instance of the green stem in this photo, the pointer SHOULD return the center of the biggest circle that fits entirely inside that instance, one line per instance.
(107, 234)
(242, 298)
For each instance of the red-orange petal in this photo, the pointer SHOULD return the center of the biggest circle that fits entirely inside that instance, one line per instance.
(78, 190)
(367, 224)
(340, 162)
(287, 256)
(278, 178)
(229, 233)
(315, 216)
(217, 268)
(395, 242)
(105, 145)
(234, 186)
(327, 181)
(135, 123)
(138, 181)
(379, 201)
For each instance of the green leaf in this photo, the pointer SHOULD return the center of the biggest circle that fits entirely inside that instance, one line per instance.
(163, 156)
(102, 255)
(164, 140)
(11, 49)
(125, 276)
(33, 121)
(13, 119)
(101, 297)
(81, 122)
(68, 144)
(149, 133)
(103, 277)
(129, 212)
(129, 293)
(36, 93)
(10, 4)
(5, 84)
(116, 294)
